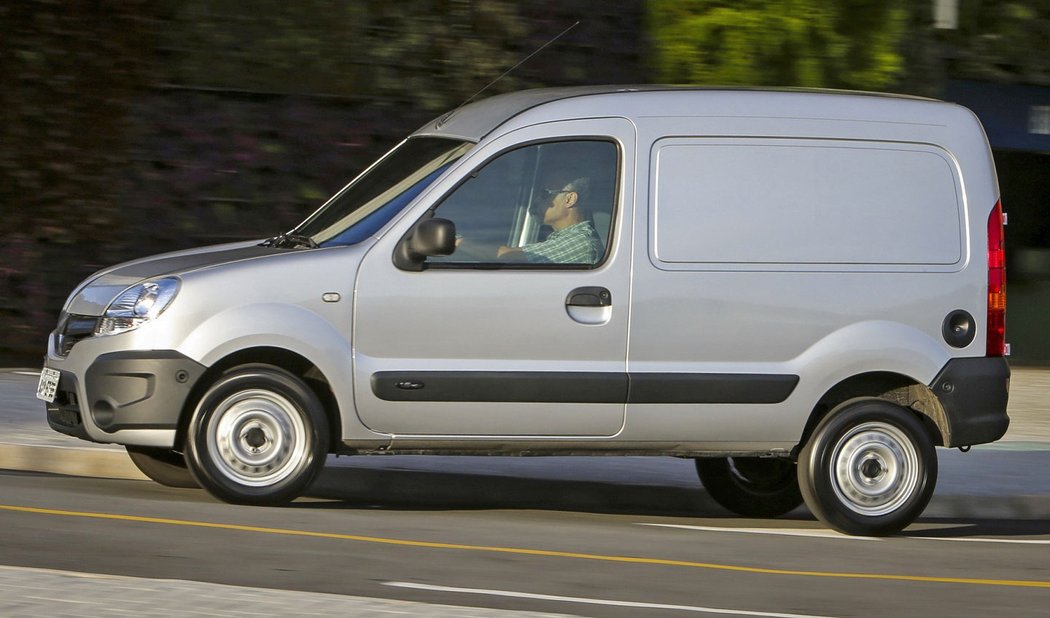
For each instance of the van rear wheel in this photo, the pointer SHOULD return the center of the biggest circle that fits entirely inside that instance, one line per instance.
(162, 465)
(259, 435)
(869, 468)
(751, 486)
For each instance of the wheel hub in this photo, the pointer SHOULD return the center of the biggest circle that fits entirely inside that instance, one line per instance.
(872, 468)
(258, 437)
(876, 469)
(255, 437)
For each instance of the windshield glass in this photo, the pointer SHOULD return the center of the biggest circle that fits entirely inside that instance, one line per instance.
(373, 198)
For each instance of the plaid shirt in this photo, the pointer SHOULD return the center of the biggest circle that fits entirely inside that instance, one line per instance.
(576, 244)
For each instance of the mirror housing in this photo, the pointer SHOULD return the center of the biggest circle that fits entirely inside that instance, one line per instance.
(433, 236)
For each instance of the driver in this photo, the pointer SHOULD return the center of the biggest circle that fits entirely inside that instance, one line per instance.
(573, 239)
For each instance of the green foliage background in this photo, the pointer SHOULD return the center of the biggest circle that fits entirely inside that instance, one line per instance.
(812, 43)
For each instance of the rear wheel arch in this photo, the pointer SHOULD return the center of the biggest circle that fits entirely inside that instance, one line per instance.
(893, 387)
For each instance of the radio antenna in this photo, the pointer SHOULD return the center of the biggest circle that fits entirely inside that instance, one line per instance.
(520, 62)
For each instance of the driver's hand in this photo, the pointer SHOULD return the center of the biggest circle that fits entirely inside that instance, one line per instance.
(510, 253)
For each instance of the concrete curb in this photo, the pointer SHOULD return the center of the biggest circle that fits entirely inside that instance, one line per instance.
(70, 461)
(1024, 508)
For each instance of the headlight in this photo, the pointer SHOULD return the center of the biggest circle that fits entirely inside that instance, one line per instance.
(137, 305)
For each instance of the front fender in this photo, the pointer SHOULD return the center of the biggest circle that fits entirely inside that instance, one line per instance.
(288, 327)
(279, 325)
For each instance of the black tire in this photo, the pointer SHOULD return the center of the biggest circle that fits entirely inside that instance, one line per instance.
(869, 468)
(751, 486)
(259, 435)
(162, 465)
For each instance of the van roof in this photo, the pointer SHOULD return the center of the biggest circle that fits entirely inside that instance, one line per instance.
(474, 121)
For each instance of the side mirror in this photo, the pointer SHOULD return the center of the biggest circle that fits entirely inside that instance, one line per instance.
(428, 237)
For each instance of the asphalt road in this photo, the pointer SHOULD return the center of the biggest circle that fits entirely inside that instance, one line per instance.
(349, 540)
(481, 537)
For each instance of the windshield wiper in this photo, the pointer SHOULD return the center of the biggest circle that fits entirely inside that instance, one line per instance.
(290, 241)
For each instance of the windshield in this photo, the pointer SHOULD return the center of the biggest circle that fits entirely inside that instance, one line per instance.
(374, 197)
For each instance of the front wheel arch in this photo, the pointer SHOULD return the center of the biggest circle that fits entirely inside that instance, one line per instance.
(285, 359)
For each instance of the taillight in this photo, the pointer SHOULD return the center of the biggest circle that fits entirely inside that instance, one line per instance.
(996, 283)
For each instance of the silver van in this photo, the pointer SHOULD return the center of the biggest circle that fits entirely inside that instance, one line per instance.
(803, 291)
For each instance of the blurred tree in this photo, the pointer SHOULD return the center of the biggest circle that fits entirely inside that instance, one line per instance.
(431, 53)
(71, 72)
(830, 43)
(274, 46)
(1007, 42)
(438, 53)
(1002, 41)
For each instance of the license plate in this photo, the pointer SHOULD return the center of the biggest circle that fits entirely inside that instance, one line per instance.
(48, 385)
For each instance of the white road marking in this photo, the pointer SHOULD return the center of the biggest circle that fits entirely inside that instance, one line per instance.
(827, 534)
(607, 602)
(58, 600)
(979, 540)
(830, 534)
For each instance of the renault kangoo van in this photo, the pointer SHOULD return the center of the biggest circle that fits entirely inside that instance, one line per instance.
(802, 291)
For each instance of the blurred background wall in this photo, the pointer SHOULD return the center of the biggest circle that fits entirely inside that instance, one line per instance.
(132, 127)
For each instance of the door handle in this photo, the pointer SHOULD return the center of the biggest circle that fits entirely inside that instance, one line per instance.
(589, 297)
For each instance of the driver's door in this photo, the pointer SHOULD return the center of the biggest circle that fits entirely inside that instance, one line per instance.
(475, 345)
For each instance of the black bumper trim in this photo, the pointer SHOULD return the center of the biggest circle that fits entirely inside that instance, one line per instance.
(139, 390)
(974, 393)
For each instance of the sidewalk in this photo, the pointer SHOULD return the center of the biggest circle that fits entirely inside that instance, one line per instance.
(44, 592)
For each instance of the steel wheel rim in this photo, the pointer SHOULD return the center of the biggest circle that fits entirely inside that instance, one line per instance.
(257, 437)
(875, 469)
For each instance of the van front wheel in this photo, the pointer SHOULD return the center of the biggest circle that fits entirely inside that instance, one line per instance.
(869, 468)
(259, 435)
(751, 486)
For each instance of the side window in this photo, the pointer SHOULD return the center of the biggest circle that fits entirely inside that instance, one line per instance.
(548, 203)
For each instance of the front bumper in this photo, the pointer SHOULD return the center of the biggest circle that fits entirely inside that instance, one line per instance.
(973, 393)
(140, 390)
